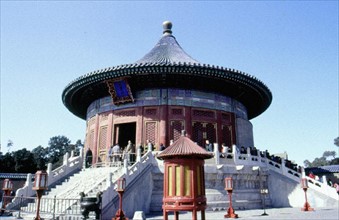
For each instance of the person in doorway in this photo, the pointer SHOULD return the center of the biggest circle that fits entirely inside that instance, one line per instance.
(149, 145)
(162, 147)
(110, 154)
(141, 147)
(116, 152)
(209, 146)
(130, 149)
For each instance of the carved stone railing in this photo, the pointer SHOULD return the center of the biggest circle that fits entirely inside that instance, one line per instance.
(322, 187)
(255, 159)
(69, 166)
(262, 160)
(129, 173)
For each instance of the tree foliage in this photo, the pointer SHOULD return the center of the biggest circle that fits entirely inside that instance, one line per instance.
(57, 147)
(7, 163)
(25, 161)
(40, 156)
(328, 158)
(336, 141)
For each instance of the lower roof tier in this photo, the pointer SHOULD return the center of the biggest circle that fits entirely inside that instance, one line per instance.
(249, 91)
(172, 97)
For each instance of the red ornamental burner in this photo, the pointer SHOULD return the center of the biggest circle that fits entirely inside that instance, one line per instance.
(304, 186)
(229, 189)
(40, 184)
(7, 187)
(120, 215)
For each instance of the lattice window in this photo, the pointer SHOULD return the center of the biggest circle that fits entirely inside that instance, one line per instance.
(103, 138)
(126, 113)
(227, 135)
(175, 130)
(226, 117)
(198, 133)
(206, 114)
(91, 139)
(211, 132)
(150, 131)
(150, 111)
(176, 111)
(91, 121)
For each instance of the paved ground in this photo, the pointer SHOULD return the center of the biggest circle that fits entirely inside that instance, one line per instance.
(277, 213)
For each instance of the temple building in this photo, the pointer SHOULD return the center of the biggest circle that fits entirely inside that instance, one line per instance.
(162, 93)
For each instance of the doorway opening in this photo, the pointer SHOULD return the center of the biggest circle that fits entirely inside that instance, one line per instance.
(123, 133)
(89, 158)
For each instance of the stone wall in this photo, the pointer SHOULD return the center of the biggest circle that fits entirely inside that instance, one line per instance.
(244, 131)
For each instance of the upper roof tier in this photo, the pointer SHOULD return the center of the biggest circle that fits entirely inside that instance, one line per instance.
(167, 65)
(167, 50)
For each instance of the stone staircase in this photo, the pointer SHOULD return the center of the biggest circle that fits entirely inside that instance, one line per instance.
(64, 198)
(90, 181)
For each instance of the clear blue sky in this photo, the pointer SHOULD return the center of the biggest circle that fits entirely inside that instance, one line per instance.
(292, 46)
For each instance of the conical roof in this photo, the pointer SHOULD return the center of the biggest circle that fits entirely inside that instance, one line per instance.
(185, 147)
(167, 65)
(167, 50)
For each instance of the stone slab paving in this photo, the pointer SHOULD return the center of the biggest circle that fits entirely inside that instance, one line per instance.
(274, 213)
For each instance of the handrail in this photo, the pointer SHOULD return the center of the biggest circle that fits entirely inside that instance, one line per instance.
(69, 166)
(323, 187)
(282, 166)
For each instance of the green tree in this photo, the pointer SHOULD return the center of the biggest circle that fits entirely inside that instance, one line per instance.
(336, 141)
(307, 163)
(328, 154)
(41, 157)
(78, 147)
(57, 147)
(7, 164)
(324, 160)
(24, 161)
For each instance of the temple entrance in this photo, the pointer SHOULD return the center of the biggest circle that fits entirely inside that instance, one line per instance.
(124, 132)
(89, 158)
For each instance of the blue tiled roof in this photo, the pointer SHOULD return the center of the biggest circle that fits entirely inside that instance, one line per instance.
(14, 176)
(167, 51)
(324, 169)
(167, 65)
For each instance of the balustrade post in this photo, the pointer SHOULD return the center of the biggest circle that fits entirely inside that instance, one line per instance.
(125, 165)
(216, 153)
(109, 180)
(303, 175)
(54, 202)
(139, 155)
(49, 172)
(324, 179)
(65, 159)
(235, 153)
(248, 149)
(282, 167)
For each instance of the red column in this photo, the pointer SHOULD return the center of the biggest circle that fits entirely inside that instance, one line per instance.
(95, 142)
(188, 122)
(219, 129)
(163, 124)
(139, 127)
(109, 140)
